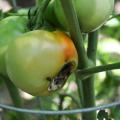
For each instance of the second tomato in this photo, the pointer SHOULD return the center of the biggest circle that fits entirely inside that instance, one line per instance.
(91, 13)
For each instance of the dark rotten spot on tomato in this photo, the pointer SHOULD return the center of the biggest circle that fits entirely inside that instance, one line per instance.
(60, 79)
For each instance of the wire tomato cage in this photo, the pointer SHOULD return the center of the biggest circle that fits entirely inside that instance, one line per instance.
(60, 112)
(64, 112)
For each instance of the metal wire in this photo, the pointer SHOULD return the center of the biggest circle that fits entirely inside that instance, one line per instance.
(60, 112)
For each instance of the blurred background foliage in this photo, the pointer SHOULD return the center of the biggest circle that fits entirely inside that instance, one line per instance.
(107, 84)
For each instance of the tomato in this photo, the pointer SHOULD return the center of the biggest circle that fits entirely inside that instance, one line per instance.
(10, 28)
(91, 13)
(50, 15)
(39, 62)
(51, 18)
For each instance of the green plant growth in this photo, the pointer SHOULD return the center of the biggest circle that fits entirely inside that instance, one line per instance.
(83, 76)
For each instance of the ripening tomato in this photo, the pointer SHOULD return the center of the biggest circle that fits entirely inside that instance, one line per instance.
(91, 13)
(39, 61)
(10, 28)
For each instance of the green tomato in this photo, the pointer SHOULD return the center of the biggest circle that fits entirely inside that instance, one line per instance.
(91, 13)
(10, 28)
(38, 62)
(50, 15)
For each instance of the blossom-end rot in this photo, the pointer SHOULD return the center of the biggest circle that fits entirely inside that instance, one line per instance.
(39, 62)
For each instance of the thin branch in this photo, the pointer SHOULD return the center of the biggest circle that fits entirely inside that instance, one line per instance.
(88, 83)
(73, 98)
(97, 69)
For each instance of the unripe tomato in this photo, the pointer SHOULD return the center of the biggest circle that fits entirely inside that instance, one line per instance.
(91, 13)
(50, 15)
(10, 28)
(39, 61)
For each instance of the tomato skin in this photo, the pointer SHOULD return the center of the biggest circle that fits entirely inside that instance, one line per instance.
(10, 28)
(91, 13)
(37, 55)
(50, 16)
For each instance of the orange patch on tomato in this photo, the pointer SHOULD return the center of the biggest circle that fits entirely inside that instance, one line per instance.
(68, 46)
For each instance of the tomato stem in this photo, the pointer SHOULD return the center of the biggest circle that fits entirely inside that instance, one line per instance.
(74, 28)
(88, 83)
(80, 88)
(98, 69)
(86, 88)
(92, 46)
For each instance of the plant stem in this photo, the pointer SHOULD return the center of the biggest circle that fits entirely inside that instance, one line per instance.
(14, 94)
(39, 105)
(60, 107)
(76, 35)
(72, 97)
(102, 68)
(88, 84)
(80, 88)
(92, 45)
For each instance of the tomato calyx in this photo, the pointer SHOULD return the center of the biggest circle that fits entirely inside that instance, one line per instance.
(59, 80)
(31, 17)
(37, 19)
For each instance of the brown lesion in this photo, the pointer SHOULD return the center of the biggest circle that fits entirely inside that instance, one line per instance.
(60, 79)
